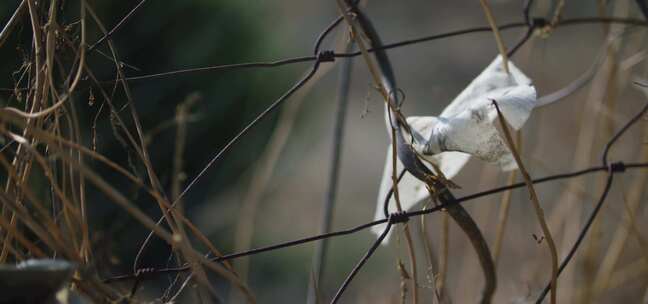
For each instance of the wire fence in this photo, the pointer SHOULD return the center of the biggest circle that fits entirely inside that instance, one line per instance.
(320, 57)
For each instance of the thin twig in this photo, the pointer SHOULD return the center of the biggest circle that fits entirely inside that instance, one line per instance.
(535, 202)
(445, 257)
(498, 38)
(119, 24)
(8, 28)
(502, 218)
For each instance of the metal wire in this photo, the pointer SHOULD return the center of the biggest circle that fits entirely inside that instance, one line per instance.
(319, 57)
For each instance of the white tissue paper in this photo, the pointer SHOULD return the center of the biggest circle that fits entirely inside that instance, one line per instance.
(464, 128)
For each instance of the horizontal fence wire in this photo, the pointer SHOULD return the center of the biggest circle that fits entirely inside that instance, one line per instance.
(319, 57)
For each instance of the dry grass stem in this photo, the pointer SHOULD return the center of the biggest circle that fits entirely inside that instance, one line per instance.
(502, 216)
(498, 37)
(535, 203)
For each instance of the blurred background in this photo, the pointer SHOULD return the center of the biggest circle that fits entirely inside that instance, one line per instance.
(236, 199)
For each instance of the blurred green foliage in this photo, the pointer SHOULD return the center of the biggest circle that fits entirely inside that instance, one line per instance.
(164, 36)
